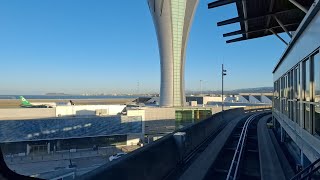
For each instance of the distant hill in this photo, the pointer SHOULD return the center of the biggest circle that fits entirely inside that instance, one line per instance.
(57, 94)
(253, 90)
(237, 91)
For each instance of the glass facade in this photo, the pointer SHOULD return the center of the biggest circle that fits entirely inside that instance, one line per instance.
(297, 94)
(178, 8)
(316, 62)
(306, 82)
(296, 89)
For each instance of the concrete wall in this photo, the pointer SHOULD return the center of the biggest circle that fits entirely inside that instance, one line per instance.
(155, 120)
(133, 139)
(159, 113)
(215, 110)
(88, 110)
(27, 113)
(164, 154)
(205, 99)
(159, 121)
(153, 161)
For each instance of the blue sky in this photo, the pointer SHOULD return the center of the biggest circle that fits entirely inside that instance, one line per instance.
(79, 46)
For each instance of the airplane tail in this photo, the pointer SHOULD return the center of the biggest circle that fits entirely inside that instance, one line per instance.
(24, 101)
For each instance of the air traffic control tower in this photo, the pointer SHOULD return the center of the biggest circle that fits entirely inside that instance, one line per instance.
(172, 20)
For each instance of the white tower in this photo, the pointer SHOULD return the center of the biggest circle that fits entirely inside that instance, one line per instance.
(172, 20)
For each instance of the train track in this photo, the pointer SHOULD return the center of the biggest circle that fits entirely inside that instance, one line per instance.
(239, 158)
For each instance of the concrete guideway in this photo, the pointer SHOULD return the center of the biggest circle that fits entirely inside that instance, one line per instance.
(273, 163)
(238, 158)
(245, 149)
(201, 165)
(270, 166)
(172, 156)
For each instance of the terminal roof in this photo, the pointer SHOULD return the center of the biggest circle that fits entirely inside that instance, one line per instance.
(259, 18)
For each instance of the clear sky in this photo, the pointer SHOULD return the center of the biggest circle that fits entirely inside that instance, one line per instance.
(77, 46)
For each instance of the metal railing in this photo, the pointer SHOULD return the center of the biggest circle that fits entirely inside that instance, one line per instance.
(308, 172)
(233, 170)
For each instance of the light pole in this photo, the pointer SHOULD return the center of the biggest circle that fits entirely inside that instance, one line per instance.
(223, 73)
(200, 87)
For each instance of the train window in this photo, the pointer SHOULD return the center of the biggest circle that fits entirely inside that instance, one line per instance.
(316, 60)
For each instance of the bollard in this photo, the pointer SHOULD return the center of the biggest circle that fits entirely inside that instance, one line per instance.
(180, 139)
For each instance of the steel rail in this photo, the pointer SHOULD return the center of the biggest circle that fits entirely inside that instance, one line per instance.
(233, 170)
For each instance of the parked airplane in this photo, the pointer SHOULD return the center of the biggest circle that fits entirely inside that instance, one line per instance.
(26, 104)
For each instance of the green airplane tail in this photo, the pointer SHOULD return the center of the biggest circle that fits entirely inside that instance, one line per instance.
(24, 101)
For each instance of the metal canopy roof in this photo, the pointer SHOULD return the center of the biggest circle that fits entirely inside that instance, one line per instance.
(259, 18)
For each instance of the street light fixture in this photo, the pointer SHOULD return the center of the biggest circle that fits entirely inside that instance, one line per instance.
(223, 73)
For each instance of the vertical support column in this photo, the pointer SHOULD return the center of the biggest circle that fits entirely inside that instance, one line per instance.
(192, 115)
(302, 159)
(198, 114)
(273, 122)
(180, 139)
(28, 149)
(48, 147)
(58, 145)
(282, 134)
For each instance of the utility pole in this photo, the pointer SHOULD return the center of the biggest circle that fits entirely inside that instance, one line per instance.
(200, 87)
(223, 73)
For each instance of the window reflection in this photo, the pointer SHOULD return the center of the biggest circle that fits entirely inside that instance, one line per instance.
(316, 60)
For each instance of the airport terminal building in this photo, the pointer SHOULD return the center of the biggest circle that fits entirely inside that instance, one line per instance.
(27, 131)
(297, 90)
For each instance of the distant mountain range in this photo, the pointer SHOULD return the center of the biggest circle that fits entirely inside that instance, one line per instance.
(237, 91)
(57, 94)
(254, 90)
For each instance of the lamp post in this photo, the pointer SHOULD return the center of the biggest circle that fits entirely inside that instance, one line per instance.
(223, 73)
(200, 87)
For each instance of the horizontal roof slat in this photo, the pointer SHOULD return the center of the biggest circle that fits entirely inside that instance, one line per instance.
(220, 3)
(257, 17)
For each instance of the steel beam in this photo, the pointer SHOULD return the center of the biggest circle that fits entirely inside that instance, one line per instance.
(238, 19)
(302, 8)
(282, 26)
(234, 33)
(236, 39)
(230, 21)
(245, 15)
(269, 17)
(243, 32)
(273, 32)
(220, 3)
